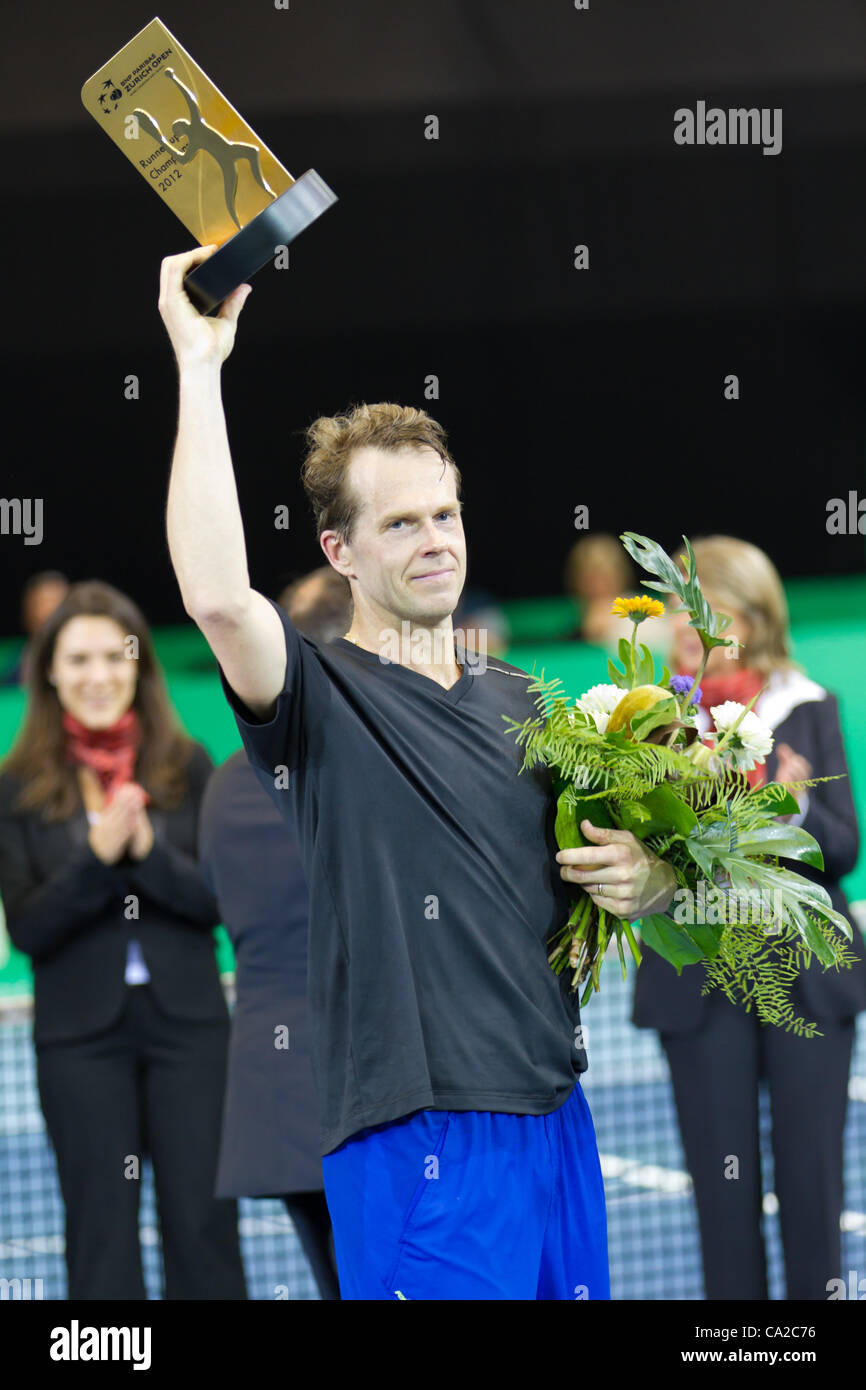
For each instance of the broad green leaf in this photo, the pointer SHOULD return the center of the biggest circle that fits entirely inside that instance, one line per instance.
(634, 817)
(647, 667)
(668, 812)
(659, 812)
(775, 798)
(616, 676)
(795, 893)
(705, 855)
(787, 841)
(570, 811)
(619, 739)
(743, 878)
(650, 556)
(566, 829)
(706, 936)
(711, 849)
(670, 941)
(708, 638)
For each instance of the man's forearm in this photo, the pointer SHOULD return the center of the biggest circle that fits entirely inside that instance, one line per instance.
(203, 518)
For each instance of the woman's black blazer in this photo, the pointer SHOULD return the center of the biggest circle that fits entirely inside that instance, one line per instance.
(74, 915)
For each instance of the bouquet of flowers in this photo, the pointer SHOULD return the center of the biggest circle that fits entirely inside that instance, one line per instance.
(628, 754)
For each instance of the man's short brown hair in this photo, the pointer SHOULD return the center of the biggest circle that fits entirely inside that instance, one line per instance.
(331, 442)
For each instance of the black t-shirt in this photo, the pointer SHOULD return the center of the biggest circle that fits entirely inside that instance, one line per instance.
(433, 886)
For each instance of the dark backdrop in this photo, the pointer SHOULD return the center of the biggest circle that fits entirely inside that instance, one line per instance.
(454, 258)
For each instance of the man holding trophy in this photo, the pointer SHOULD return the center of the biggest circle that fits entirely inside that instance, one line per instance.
(459, 1155)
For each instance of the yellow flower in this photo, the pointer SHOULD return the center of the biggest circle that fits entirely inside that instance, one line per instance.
(637, 608)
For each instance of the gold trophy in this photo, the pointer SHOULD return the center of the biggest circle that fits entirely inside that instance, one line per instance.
(202, 158)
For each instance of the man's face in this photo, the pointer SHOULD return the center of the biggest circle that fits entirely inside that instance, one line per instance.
(407, 556)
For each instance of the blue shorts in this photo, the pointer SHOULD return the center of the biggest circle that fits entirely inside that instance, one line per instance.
(471, 1204)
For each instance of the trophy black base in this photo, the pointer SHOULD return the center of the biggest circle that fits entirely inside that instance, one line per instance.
(256, 243)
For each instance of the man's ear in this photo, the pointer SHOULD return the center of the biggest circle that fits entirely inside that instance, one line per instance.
(337, 552)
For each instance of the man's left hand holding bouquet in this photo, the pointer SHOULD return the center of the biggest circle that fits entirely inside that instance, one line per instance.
(619, 873)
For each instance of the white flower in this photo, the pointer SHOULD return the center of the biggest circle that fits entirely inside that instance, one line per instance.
(752, 741)
(599, 701)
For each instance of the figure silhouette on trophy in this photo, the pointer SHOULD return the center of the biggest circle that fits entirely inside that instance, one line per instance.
(201, 136)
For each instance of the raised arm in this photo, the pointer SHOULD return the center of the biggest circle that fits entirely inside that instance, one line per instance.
(203, 521)
(191, 102)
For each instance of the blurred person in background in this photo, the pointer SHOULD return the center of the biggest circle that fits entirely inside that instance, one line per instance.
(99, 801)
(251, 859)
(717, 1052)
(481, 620)
(598, 570)
(41, 594)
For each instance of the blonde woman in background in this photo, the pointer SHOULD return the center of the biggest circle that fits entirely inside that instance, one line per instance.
(717, 1052)
(598, 570)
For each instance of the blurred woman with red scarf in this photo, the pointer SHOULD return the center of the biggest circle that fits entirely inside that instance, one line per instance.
(717, 1052)
(99, 802)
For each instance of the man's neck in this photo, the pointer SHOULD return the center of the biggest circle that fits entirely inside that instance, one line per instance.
(429, 651)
